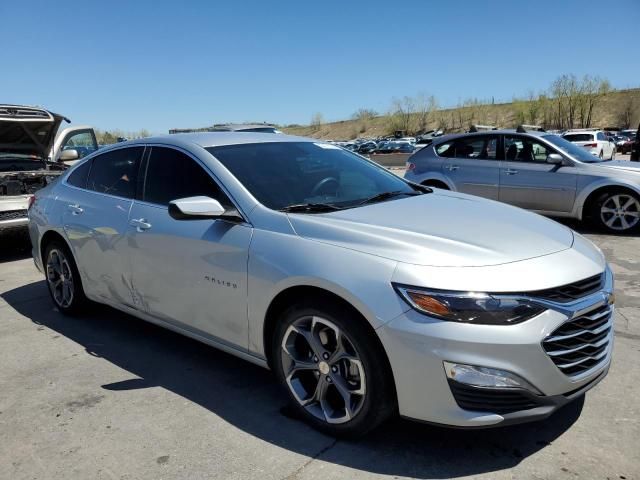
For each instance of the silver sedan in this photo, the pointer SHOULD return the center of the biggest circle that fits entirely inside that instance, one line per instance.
(535, 170)
(366, 295)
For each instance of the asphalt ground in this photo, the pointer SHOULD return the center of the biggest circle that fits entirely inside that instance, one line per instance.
(108, 396)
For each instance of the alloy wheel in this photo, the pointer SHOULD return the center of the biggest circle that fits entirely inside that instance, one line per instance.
(60, 278)
(620, 212)
(323, 369)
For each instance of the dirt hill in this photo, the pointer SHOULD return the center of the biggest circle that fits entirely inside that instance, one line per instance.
(614, 109)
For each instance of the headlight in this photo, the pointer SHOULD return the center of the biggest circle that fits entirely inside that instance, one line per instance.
(470, 307)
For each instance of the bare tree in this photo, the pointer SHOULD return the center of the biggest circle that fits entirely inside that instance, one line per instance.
(316, 121)
(625, 115)
(425, 105)
(402, 109)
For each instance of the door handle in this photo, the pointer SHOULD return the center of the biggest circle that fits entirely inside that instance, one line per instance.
(510, 171)
(75, 209)
(451, 168)
(140, 223)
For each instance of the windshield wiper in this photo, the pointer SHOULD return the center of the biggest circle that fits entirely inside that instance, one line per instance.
(310, 208)
(386, 195)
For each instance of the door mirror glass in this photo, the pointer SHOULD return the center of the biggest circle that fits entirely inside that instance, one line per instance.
(555, 159)
(68, 155)
(196, 208)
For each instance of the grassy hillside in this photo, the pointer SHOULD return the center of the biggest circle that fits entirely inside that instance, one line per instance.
(608, 113)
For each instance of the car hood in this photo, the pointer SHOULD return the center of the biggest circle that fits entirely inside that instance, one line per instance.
(27, 131)
(618, 165)
(444, 229)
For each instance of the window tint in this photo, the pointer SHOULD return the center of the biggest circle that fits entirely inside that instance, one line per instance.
(446, 149)
(78, 177)
(578, 137)
(601, 136)
(525, 149)
(478, 147)
(172, 175)
(115, 172)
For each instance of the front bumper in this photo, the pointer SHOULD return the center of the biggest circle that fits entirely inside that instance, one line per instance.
(417, 346)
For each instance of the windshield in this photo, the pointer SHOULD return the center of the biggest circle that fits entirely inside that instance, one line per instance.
(282, 174)
(577, 152)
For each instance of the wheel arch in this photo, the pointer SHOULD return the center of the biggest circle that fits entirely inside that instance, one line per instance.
(597, 190)
(315, 295)
(433, 179)
(47, 238)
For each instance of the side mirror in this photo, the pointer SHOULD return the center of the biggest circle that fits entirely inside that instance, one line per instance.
(555, 159)
(68, 155)
(201, 208)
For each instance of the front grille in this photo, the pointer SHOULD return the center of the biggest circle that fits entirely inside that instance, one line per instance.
(481, 399)
(581, 343)
(12, 214)
(572, 291)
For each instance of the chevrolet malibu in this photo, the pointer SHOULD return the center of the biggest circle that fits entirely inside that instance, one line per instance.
(367, 295)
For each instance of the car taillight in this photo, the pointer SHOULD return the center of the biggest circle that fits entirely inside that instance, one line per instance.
(32, 200)
(590, 145)
(410, 166)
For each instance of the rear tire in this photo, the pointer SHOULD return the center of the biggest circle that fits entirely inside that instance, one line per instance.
(63, 278)
(326, 358)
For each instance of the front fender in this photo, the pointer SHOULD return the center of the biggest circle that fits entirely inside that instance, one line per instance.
(584, 193)
(280, 261)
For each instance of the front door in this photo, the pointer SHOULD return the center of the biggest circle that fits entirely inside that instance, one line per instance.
(528, 181)
(192, 273)
(472, 166)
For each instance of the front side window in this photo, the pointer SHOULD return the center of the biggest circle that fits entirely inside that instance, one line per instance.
(282, 174)
(525, 149)
(83, 142)
(601, 136)
(172, 175)
(115, 172)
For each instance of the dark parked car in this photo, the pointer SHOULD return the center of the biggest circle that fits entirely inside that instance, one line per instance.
(635, 149)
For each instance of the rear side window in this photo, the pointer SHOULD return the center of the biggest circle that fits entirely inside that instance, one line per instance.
(483, 147)
(115, 172)
(172, 174)
(78, 177)
(579, 137)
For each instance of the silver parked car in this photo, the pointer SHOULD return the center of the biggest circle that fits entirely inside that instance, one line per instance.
(365, 294)
(535, 170)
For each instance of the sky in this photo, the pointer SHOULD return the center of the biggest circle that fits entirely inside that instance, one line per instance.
(166, 64)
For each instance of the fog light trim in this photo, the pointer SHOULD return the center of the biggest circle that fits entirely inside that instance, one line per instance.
(486, 377)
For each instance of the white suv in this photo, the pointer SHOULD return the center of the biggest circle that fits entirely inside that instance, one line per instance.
(595, 141)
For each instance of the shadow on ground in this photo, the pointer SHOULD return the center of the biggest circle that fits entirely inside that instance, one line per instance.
(247, 397)
(14, 246)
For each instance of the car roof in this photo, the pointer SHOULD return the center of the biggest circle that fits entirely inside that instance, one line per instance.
(452, 136)
(217, 139)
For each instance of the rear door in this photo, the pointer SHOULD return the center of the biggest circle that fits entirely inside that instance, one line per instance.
(96, 217)
(192, 273)
(528, 181)
(472, 164)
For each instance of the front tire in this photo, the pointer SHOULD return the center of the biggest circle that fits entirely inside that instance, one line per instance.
(334, 370)
(617, 212)
(63, 278)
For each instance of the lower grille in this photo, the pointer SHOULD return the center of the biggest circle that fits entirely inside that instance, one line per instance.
(481, 399)
(12, 214)
(581, 343)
